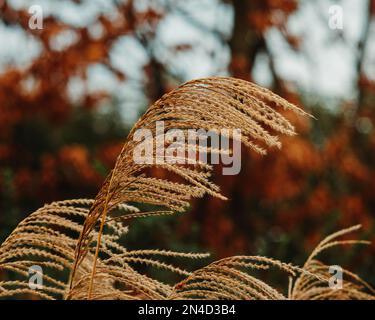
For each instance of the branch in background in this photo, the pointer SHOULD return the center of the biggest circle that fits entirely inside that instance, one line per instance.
(362, 45)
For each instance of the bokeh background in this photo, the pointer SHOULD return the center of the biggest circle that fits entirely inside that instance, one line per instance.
(70, 92)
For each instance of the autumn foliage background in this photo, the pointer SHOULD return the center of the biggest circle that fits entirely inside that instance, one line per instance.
(54, 146)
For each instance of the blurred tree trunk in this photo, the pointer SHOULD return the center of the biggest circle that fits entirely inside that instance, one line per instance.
(362, 45)
(245, 43)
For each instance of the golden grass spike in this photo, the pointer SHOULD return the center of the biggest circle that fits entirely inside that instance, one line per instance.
(47, 238)
(210, 104)
(308, 287)
(227, 279)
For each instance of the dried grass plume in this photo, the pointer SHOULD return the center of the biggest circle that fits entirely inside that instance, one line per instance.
(77, 242)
